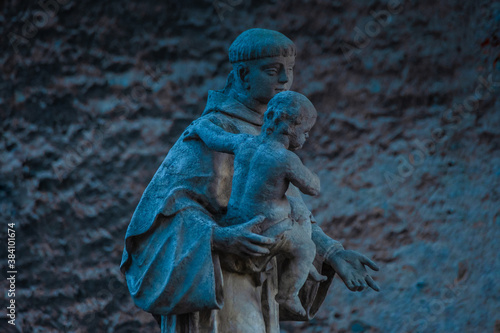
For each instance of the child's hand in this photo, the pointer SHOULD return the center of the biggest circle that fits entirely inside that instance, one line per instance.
(190, 132)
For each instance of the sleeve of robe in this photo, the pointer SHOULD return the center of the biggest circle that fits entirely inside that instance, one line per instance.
(172, 270)
(168, 260)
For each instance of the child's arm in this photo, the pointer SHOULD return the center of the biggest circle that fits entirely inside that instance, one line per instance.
(300, 176)
(215, 137)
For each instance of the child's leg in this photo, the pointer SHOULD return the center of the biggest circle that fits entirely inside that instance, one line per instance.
(300, 251)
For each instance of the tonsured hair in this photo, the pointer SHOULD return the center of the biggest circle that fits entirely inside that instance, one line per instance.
(260, 43)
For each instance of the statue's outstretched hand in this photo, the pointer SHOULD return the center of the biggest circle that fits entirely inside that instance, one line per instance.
(240, 240)
(350, 266)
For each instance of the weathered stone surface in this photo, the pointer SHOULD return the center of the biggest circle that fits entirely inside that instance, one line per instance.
(74, 164)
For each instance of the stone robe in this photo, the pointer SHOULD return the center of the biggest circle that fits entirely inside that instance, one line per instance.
(170, 268)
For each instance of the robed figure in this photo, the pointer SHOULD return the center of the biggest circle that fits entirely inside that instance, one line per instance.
(177, 255)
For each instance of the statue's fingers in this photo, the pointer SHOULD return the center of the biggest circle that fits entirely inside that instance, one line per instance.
(362, 284)
(350, 285)
(189, 134)
(255, 250)
(372, 284)
(258, 239)
(357, 286)
(366, 261)
(256, 220)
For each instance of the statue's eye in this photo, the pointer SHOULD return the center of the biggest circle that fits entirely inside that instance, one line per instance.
(272, 71)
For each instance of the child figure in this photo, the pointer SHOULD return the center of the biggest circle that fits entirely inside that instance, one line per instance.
(264, 166)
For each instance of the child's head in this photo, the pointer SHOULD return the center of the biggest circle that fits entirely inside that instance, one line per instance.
(291, 114)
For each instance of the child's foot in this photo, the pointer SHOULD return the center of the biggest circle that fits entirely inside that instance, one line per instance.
(314, 274)
(293, 305)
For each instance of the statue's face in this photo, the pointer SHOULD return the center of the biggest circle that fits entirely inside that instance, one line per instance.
(300, 132)
(268, 76)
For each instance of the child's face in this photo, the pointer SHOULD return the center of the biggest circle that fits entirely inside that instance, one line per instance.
(299, 132)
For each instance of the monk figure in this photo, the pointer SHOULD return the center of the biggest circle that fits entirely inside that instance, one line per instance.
(186, 260)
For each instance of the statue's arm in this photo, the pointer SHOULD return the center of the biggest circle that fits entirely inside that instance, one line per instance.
(299, 175)
(325, 245)
(349, 264)
(214, 136)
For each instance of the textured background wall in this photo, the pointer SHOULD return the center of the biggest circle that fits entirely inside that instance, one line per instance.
(94, 93)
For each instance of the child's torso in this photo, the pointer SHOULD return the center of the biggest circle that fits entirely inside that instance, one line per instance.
(259, 183)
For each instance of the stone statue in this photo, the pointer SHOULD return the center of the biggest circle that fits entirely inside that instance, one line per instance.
(197, 261)
(263, 170)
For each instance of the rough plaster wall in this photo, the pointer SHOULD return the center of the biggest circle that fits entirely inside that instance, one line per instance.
(92, 100)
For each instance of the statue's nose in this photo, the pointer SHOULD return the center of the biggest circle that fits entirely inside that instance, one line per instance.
(283, 78)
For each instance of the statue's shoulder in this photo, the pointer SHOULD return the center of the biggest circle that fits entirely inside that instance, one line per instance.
(222, 120)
